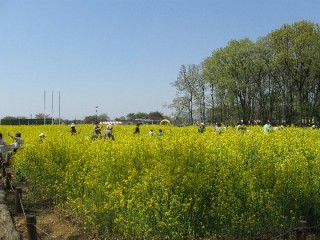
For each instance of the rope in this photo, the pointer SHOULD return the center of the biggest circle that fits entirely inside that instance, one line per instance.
(38, 235)
(312, 227)
(41, 230)
(283, 234)
(20, 200)
(295, 228)
(23, 209)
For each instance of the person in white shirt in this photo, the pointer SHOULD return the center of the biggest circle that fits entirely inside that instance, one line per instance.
(108, 132)
(17, 137)
(151, 132)
(2, 147)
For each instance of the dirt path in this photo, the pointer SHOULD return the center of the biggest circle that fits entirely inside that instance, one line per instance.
(50, 223)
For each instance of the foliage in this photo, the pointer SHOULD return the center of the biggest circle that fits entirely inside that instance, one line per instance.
(276, 78)
(95, 118)
(8, 117)
(90, 119)
(155, 115)
(122, 118)
(42, 116)
(182, 185)
(140, 115)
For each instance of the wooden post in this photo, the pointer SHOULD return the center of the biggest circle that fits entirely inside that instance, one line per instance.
(8, 179)
(18, 198)
(301, 230)
(3, 164)
(31, 226)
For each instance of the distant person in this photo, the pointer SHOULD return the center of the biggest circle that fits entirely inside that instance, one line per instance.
(108, 132)
(137, 129)
(218, 128)
(42, 136)
(2, 147)
(241, 127)
(96, 131)
(201, 128)
(151, 132)
(18, 141)
(160, 133)
(73, 130)
(266, 127)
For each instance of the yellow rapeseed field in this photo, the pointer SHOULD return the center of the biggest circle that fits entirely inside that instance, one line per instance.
(182, 184)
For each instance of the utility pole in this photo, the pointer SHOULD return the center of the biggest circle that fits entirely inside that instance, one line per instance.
(59, 110)
(44, 106)
(96, 114)
(52, 108)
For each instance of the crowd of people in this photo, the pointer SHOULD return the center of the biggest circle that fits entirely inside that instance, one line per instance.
(267, 127)
(108, 134)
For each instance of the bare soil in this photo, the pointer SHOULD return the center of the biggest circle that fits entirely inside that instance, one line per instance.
(50, 223)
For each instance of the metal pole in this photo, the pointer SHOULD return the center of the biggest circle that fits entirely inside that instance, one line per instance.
(59, 109)
(52, 108)
(96, 114)
(44, 108)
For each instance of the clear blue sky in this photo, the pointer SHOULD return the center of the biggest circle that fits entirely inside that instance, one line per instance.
(119, 55)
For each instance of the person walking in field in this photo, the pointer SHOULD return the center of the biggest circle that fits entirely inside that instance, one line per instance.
(240, 127)
(108, 132)
(18, 141)
(201, 128)
(137, 129)
(160, 133)
(73, 130)
(2, 147)
(42, 136)
(266, 127)
(218, 128)
(151, 132)
(96, 131)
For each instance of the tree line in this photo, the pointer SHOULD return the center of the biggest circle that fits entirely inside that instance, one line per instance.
(129, 117)
(42, 118)
(275, 78)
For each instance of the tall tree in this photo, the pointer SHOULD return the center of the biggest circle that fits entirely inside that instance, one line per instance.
(234, 77)
(215, 73)
(202, 86)
(42, 116)
(296, 57)
(155, 116)
(186, 86)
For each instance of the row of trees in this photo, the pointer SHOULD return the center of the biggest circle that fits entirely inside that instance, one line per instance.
(157, 116)
(130, 117)
(37, 116)
(274, 78)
